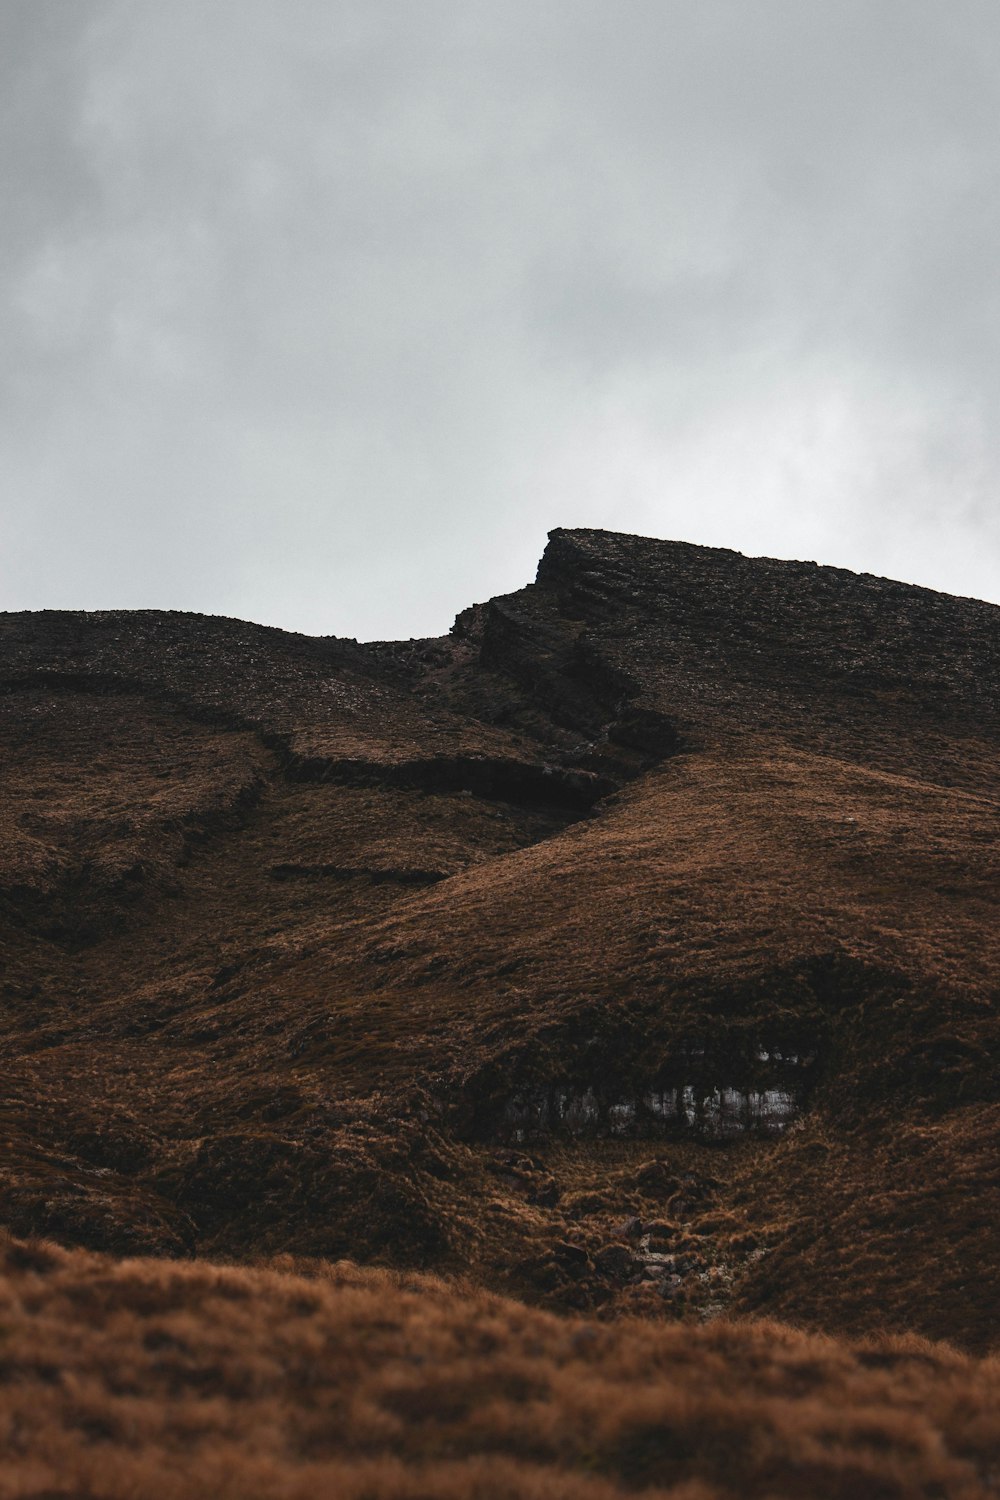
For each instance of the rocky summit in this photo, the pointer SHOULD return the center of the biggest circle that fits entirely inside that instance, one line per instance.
(609, 986)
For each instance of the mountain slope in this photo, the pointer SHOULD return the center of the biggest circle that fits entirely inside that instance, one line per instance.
(631, 949)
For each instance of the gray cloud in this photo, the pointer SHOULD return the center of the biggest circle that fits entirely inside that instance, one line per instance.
(321, 313)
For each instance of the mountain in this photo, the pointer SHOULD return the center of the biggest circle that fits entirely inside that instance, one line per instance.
(631, 950)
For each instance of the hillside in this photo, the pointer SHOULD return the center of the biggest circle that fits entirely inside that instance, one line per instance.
(631, 951)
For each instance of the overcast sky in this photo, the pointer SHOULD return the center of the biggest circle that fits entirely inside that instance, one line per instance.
(322, 312)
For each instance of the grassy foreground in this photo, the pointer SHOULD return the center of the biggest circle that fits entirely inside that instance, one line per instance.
(184, 1381)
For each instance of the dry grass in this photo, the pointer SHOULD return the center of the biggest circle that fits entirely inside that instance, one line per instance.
(161, 1380)
(286, 926)
(254, 1065)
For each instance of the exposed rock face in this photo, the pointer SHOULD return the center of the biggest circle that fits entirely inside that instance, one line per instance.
(672, 851)
(718, 1115)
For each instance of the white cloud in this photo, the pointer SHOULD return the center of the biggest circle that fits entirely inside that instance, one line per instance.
(322, 312)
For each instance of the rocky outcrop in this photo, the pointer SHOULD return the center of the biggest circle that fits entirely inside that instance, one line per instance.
(722, 1114)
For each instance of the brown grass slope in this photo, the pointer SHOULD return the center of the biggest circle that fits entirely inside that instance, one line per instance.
(165, 1380)
(383, 951)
